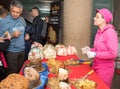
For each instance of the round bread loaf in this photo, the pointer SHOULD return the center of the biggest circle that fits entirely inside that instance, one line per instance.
(14, 81)
(33, 77)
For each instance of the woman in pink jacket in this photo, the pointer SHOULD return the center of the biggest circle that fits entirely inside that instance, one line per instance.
(105, 48)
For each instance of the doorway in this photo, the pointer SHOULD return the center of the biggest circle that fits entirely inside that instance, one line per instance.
(116, 16)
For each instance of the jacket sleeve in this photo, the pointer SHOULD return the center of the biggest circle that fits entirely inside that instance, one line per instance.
(28, 29)
(39, 26)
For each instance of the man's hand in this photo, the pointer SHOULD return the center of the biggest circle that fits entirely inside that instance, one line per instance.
(27, 36)
(16, 33)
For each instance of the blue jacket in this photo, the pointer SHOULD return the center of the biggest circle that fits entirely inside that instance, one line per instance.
(10, 24)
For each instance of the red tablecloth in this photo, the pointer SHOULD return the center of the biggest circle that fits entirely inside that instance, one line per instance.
(79, 71)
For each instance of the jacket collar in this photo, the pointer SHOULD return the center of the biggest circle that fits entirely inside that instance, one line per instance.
(106, 28)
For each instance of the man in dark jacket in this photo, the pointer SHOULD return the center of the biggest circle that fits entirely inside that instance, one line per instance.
(36, 26)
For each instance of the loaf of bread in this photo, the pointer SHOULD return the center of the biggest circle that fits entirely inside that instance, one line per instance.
(14, 81)
(61, 50)
(63, 75)
(64, 85)
(33, 76)
(49, 51)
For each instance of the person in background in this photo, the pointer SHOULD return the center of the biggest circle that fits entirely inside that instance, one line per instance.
(45, 28)
(5, 38)
(3, 12)
(15, 24)
(47, 19)
(105, 48)
(4, 44)
(5, 41)
(35, 31)
(27, 41)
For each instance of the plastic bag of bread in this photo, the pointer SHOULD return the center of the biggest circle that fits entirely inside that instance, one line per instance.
(49, 51)
(33, 76)
(35, 57)
(63, 75)
(61, 50)
(64, 85)
(36, 51)
(14, 81)
(71, 50)
(37, 45)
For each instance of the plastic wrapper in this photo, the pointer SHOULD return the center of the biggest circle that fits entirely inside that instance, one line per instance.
(49, 51)
(33, 76)
(71, 50)
(63, 75)
(64, 85)
(61, 50)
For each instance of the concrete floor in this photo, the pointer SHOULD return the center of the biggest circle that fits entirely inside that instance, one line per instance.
(116, 82)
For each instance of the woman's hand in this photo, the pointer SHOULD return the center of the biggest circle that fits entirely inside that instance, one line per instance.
(85, 49)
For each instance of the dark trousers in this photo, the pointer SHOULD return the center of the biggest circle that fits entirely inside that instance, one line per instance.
(15, 61)
(3, 73)
(27, 48)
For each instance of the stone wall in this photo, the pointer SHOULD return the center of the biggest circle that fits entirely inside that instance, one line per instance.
(77, 23)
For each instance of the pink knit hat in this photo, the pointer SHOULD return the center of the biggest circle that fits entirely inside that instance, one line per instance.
(106, 14)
